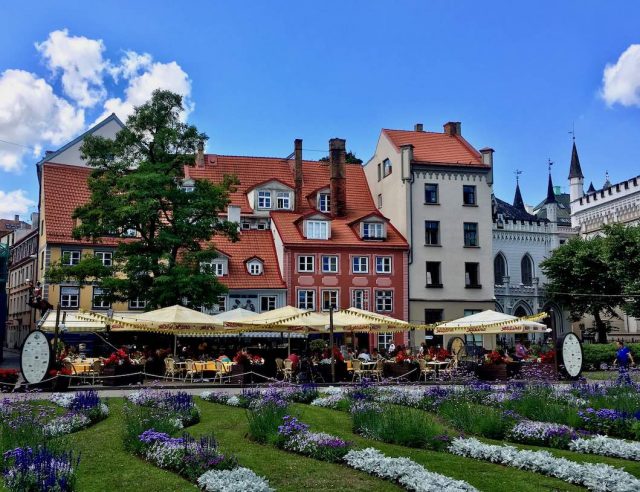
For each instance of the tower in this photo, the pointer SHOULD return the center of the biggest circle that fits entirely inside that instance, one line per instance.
(551, 204)
(576, 178)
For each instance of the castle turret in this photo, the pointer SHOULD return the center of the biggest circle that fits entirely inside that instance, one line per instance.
(551, 204)
(576, 178)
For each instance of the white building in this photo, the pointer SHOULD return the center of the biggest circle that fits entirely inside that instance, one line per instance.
(436, 189)
(591, 211)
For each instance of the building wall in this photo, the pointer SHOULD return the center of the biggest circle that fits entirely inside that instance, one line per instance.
(72, 155)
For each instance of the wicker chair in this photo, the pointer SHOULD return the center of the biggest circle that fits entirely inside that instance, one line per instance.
(170, 369)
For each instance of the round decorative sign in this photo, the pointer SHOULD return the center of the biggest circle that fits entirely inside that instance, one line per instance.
(456, 346)
(35, 357)
(570, 354)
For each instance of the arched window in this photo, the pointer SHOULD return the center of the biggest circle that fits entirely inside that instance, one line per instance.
(499, 269)
(526, 270)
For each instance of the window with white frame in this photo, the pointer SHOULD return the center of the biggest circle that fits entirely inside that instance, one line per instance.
(106, 257)
(137, 303)
(187, 188)
(216, 267)
(360, 299)
(317, 229)
(373, 230)
(360, 264)
(307, 299)
(384, 301)
(267, 303)
(306, 264)
(384, 340)
(131, 232)
(221, 304)
(324, 202)
(69, 297)
(330, 264)
(383, 264)
(264, 199)
(283, 200)
(329, 299)
(98, 301)
(254, 267)
(70, 258)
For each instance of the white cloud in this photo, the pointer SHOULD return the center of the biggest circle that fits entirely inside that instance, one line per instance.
(621, 81)
(14, 203)
(30, 113)
(144, 76)
(81, 63)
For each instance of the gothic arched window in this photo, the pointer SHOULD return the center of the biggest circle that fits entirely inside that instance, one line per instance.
(499, 269)
(526, 270)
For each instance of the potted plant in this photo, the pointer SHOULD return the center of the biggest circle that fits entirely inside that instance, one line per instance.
(120, 364)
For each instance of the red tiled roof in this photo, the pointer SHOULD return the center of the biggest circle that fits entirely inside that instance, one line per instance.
(252, 171)
(65, 188)
(250, 243)
(440, 148)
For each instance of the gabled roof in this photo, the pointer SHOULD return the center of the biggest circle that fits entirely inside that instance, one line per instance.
(437, 148)
(243, 251)
(266, 181)
(575, 171)
(510, 212)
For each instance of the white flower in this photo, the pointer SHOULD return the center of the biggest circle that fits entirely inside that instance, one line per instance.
(333, 390)
(330, 401)
(63, 400)
(234, 401)
(236, 480)
(406, 472)
(607, 446)
(597, 477)
(66, 424)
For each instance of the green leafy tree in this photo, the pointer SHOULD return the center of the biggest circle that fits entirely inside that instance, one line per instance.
(622, 245)
(136, 194)
(581, 280)
(349, 158)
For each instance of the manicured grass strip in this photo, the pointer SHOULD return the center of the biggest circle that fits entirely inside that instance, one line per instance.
(106, 466)
(285, 471)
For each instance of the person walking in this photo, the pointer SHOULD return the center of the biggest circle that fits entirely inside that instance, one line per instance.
(623, 357)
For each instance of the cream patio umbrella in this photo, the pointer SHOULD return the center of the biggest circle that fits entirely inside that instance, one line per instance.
(492, 322)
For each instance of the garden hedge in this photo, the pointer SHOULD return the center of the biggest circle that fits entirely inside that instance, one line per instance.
(596, 353)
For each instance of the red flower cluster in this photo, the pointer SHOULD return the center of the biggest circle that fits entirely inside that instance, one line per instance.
(494, 357)
(241, 358)
(63, 371)
(548, 356)
(119, 357)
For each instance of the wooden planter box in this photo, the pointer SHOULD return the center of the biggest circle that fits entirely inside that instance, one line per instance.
(493, 372)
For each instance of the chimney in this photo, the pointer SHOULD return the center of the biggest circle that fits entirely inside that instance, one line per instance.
(200, 154)
(453, 128)
(16, 218)
(418, 127)
(487, 158)
(338, 177)
(298, 174)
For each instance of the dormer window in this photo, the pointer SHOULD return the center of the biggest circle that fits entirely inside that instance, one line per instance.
(218, 266)
(283, 200)
(324, 202)
(254, 267)
(264, 199)
(188, 185)
(373, 230)
(317, 229)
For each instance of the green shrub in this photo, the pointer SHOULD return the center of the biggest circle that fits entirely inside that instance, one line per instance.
(540, 403)
(596, 354)
(476, 419)
(400, 425)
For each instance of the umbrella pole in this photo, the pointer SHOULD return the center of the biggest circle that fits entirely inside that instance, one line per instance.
(289, 344)
(175, 345)
(333, 359)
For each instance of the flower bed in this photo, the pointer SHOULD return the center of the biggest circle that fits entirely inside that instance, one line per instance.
(239, 479)
(607, 446)
(178, 405)
(40, 469)
(408, 473)
(597, 477)
(542, 434)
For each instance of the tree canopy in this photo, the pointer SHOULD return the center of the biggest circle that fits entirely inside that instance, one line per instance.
(349, 158)
(137, 195)
(596, 276)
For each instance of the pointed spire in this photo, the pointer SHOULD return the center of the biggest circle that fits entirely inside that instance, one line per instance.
(607, 183)
(518, 202)
(591, 188)
(575, 171)
(551, 196)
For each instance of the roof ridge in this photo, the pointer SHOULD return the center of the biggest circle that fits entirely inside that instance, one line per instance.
(285, 159)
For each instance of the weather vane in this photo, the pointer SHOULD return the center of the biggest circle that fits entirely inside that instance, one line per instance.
(517, 172)
(550, 163)
(573, 131)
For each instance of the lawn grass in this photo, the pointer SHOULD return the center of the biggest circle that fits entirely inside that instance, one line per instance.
(609, 375)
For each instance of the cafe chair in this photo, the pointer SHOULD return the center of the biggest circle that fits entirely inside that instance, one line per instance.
(190, 369)
(279, 368)
(446, 372)
(170, 368)
(220, 372)
(426, 370)
(358, 372)
(96, 369)
(288, 370)
(378, 371)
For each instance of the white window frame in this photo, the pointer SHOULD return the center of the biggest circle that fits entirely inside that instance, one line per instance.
(384, 340)
(303, 264)
(384, 301)
(309, 301)
(324, 202)
(317, 229)
(360, 299)
(333, 298)
(131, 232)
(106, 257)
(362, 264)
(332, 266)
(137, 303)
(384, 264)
(254, 267)
(221, 303)
(217, 267)
(102, 304)
(71, 298)
(73, 257)
(264, 199)
(373, 230)
(283, 200)
(188, 189)
(271, 300)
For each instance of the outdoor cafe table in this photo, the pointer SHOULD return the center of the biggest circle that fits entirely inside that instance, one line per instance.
(83, 365)
(437, 365)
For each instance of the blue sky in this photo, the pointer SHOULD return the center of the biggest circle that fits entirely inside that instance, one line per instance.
(260, 74)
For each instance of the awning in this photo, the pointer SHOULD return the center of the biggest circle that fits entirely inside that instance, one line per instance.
(492, 322)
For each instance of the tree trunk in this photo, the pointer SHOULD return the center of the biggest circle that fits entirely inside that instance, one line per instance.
(601, 328)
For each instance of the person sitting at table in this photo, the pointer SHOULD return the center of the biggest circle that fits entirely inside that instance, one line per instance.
(295, 360)
(521, 351)
(364, 355)
(337, 354)
(375, 355)
(349, 355)
(223, 358)
(391, 349)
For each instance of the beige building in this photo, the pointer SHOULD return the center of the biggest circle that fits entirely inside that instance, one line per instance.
(436, 189)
